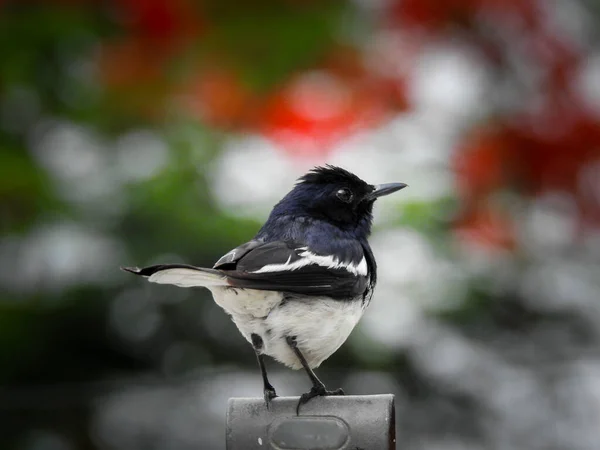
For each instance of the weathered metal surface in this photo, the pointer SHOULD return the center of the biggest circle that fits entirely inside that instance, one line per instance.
(325, 423)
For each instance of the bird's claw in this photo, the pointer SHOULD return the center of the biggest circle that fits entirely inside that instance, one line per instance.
(269, 394)
(316, 391)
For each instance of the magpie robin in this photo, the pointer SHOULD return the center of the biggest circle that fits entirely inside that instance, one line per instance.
(300, 286)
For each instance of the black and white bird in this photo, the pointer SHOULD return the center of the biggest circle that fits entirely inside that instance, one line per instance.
(297, 290)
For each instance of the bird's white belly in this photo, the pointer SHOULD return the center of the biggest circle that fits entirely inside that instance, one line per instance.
(320, 325)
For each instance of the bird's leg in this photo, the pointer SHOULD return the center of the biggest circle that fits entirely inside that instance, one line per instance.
(318, 388)
(268, 389)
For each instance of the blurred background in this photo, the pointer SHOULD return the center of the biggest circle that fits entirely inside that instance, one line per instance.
(134, 132)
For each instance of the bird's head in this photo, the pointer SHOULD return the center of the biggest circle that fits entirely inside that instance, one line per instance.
(335, 195)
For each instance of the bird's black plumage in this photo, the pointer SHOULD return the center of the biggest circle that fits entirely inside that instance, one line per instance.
(303, 282)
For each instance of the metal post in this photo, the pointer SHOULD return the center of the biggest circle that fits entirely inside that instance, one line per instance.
(361, 422)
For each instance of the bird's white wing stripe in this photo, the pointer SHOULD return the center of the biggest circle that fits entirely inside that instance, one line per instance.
(331, 262)
(285, 266)
(362, 268)
(308, 258)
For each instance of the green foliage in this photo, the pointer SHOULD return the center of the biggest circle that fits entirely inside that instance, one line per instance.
(268, 44)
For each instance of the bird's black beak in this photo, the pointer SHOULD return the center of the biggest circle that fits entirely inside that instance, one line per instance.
(385, 189)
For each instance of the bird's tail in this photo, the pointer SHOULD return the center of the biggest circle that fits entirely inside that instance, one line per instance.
(180, 275)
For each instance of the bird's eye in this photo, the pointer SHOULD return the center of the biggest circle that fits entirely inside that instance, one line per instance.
(344, 195)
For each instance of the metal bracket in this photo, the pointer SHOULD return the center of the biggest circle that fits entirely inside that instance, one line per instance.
(353, 422)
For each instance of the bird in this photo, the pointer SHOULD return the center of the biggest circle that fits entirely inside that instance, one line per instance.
(299, 287)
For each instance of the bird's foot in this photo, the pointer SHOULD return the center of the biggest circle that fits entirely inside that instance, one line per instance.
(269, 394)
(316, 391)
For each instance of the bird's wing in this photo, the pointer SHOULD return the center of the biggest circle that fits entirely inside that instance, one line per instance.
(274, 266)
(295, 268)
